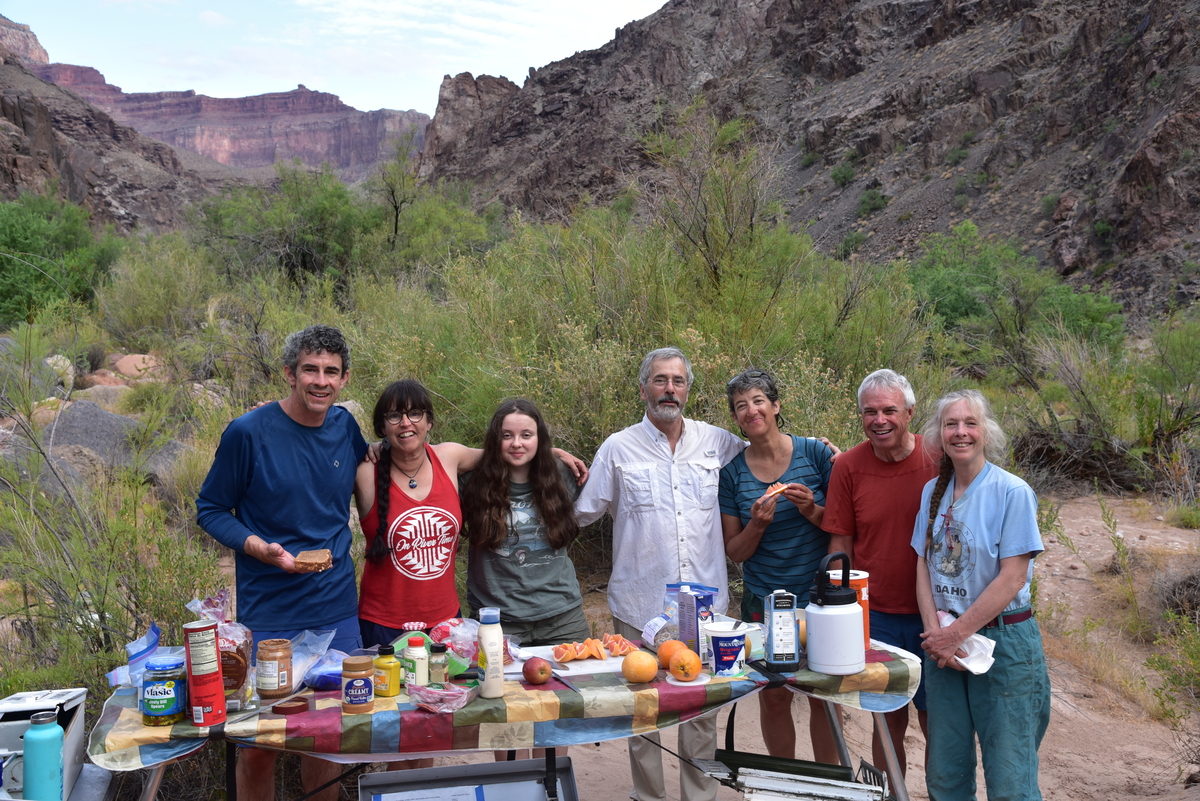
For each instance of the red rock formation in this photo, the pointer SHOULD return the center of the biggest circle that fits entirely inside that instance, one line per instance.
(21, 42)
(315, 127)
(49, 137)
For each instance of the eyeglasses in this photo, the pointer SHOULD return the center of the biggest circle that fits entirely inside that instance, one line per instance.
(660, 382)
(751, 374)
(413, 415)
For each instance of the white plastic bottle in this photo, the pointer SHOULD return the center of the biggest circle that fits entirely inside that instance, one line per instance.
(416, 663)
(491, 653)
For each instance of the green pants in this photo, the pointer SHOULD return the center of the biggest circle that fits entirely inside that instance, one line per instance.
(1007, 708)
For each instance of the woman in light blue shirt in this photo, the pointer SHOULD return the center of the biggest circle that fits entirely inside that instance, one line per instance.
(975, 538)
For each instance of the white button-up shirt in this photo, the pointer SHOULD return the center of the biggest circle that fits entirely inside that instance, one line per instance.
(666, 522)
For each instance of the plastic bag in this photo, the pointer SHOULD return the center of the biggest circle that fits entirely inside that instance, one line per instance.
(326, 672)
(307, 649)
(138, 652)
(234, 641)
(443, 697)
(464, 639)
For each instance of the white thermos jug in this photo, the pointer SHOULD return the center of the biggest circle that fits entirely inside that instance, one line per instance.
(835, 627)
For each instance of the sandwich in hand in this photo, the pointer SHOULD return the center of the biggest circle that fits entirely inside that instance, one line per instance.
(314, 561)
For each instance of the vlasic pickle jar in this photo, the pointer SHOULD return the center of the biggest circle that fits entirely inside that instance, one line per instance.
(164, 691)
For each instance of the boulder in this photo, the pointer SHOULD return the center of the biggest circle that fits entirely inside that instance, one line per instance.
(137, 365)
(106, 396)
(89, 438)
(100, 378)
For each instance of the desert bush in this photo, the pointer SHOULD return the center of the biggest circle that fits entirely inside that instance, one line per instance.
(842, 175)
(850, 244)
(870, 202)
(956, 156)
(48, 253)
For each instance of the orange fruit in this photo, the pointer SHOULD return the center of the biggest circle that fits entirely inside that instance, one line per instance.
(667, 650)
(685, 664)
(563, 653)
(639, 667)
(804, 633)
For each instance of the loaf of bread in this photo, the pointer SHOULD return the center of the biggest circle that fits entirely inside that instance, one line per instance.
(314, 561)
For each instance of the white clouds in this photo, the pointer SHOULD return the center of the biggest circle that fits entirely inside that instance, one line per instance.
(214, 18)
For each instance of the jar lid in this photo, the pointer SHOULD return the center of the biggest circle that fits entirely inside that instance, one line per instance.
(438, 648)
(416, 642)
(387, 650)
(489, 614)
(357, 663)
(164, 662)
(292, 707)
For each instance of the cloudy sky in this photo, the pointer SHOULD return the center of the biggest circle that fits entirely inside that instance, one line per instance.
(372, 53)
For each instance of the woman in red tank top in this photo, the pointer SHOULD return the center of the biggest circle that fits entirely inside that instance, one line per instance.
(408, 577)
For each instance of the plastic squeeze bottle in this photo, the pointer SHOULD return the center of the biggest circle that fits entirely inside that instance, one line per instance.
(387, 672)
(491, 653)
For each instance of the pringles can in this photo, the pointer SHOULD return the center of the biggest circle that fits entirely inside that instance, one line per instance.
(206, 688)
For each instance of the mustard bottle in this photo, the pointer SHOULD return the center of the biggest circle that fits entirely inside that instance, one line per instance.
(387, 672)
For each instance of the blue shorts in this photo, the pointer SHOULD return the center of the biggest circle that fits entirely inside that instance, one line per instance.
(345, 639)
(902, 631)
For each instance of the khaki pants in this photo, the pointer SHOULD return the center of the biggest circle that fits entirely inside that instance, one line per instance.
(697, 740)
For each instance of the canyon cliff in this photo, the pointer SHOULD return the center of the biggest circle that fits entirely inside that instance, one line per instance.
(248, 132)
(1069, 126)
(51, 140)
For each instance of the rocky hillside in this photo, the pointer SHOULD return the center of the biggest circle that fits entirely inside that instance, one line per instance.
(315, 127)
(49, 137)
(1071, 126)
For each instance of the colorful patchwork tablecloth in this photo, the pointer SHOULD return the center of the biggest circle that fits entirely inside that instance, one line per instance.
(605, 708)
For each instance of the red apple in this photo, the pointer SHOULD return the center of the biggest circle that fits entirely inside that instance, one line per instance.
(536, 670)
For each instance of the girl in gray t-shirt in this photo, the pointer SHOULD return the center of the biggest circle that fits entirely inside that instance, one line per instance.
(518, 516)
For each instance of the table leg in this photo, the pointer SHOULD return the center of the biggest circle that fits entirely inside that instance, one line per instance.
(150, 788)
(231, 750)
(889, 755)
(839, 738)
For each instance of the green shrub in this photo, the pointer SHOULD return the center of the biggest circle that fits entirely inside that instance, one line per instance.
(1049, 204)
(48, 253)
(842, 175)
(810, 158)
(1186, 516)
(967, 138)
(850, 243)
(870, 202)
(1104, 231)
(956, 156)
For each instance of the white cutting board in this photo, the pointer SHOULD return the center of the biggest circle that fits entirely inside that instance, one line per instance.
(577, 667)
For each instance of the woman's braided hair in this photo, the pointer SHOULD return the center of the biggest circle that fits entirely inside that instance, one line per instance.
(994, 444)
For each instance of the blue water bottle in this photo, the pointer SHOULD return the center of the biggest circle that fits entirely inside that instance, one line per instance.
(43, 758)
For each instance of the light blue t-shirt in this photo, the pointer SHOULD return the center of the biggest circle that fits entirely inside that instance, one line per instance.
(994, 519)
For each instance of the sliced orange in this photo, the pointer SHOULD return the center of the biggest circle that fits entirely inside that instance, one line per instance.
(563, 653)
(595, 648)
(775, 489)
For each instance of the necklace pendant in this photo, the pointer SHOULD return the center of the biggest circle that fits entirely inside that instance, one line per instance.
(412, 483)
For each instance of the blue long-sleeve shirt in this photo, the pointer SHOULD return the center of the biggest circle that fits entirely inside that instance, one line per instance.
(287, 483)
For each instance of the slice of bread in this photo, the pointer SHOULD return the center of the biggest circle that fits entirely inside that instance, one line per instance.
(314, 561)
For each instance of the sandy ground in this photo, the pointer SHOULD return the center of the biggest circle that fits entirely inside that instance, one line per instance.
(1100, 745)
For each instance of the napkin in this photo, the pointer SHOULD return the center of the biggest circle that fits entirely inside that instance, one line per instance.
(979, 648)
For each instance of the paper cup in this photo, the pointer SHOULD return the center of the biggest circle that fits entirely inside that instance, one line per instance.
(728, 648)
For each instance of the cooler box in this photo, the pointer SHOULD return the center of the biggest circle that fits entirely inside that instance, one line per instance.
(15, 712)
(520, 780)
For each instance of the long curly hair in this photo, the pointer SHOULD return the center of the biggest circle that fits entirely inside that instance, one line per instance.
(485, 499)
(398, 396)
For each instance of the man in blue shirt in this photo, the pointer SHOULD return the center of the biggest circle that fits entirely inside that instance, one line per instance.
(281, 483)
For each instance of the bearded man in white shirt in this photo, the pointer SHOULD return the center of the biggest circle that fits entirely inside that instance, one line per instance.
(658, 479)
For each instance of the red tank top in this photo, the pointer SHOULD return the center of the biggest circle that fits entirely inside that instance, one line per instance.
(416, 581)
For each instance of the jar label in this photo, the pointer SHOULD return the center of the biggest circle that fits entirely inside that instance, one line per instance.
(358, 691)
(382, 685)
(162, 698)
(270, 677)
